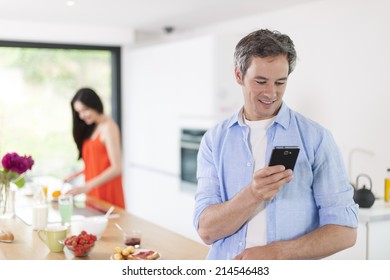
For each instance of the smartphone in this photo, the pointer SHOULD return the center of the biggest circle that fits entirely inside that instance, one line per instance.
(284, 155)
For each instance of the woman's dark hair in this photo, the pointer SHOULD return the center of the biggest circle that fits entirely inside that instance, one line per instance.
(82, 131)
(264, 43)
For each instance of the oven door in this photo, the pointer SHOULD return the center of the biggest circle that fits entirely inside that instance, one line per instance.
(190, 142)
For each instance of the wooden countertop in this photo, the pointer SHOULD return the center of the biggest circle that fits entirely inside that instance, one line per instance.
(171, 246)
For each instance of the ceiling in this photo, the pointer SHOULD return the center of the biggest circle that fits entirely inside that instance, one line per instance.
(139, 15)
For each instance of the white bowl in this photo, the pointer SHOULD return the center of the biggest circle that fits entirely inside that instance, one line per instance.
(94, 225)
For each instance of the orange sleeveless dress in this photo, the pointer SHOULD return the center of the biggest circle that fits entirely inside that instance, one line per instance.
(96, 160)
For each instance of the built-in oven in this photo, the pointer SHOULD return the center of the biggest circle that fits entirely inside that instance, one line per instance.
(189, 145)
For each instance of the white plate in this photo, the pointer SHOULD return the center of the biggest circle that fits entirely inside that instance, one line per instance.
(136, 252)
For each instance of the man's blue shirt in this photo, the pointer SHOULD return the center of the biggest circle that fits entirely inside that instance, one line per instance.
(319, 194)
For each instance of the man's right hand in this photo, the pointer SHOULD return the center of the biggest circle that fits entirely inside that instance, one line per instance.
(223, 219)
(266, 182)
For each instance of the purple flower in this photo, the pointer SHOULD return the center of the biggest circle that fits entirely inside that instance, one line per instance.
(15, 163)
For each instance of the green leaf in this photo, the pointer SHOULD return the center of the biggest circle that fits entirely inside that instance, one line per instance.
(20, 182)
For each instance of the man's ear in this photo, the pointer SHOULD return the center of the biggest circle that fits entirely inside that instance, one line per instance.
(238, 75)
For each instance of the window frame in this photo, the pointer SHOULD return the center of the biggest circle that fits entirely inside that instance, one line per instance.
(116, 87)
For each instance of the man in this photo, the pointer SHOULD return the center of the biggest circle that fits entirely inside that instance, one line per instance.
(248, 210)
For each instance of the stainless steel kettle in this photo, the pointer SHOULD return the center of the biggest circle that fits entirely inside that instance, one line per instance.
(364, 197)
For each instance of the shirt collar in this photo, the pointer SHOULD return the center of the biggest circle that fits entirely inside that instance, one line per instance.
(236, 119)
(282, 118)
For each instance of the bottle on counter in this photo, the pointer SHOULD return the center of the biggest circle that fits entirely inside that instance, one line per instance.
(387, 186)
(40, 211)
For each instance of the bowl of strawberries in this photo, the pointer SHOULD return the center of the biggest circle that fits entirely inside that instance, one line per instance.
(80, 245)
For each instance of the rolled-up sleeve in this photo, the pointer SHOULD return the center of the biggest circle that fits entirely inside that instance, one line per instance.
(208, 191)
(343, 214)
(332, 191)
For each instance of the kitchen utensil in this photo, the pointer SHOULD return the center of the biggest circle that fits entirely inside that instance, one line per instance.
(119, 227)
(94, 225)
(364, 197)
(108, 213)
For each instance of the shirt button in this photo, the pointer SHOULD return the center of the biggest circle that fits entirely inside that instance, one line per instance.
(248, 164)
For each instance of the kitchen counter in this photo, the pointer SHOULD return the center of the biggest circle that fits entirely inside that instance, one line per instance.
(171, 246)
(379, 211)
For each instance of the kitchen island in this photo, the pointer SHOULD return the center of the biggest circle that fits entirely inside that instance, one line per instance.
(171, 246)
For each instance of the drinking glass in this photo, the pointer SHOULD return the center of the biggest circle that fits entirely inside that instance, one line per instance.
(133, 238)
(65, 205)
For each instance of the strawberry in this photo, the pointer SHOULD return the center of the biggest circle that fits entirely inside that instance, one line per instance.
(81, 244)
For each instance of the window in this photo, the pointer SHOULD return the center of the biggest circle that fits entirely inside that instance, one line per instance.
(38, 82)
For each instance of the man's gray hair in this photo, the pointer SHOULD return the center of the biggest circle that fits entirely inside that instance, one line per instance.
(264, 43)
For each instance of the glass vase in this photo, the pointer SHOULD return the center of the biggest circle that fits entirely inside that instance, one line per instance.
(7, 201)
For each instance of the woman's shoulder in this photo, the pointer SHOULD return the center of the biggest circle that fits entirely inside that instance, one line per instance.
(108, 127)
(109, 123)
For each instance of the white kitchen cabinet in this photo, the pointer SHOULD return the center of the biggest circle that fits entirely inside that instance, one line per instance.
(378, 240)
(377, 221)
(373, 242)
(173, 85)
(209, 89)
(171, 208)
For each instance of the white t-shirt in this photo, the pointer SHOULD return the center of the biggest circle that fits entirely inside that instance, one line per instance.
(257, 225)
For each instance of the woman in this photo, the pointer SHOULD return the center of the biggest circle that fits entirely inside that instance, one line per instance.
(97, 137)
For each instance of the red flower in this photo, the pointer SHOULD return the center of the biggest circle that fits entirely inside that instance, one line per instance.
(15, 163)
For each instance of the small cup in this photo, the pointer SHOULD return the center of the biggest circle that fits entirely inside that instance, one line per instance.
(53, 236)
(132, 238)
(65, 205)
